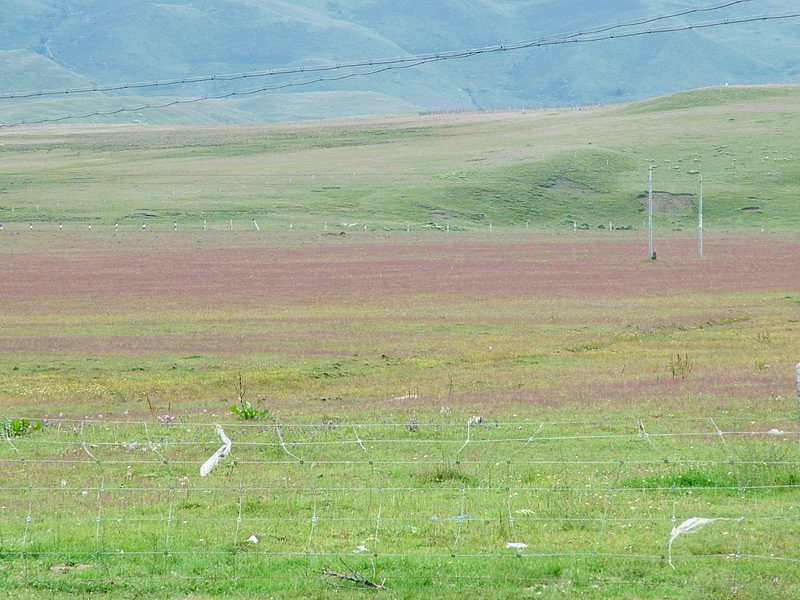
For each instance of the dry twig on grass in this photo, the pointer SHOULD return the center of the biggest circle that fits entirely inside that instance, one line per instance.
(354, 577)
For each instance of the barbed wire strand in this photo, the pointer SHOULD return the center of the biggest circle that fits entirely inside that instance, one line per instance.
(418, 441)
(340, 424)
(499, 488)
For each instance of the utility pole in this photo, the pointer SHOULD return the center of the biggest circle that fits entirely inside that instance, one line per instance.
(797, 371)
(700, 217)
(650, 253)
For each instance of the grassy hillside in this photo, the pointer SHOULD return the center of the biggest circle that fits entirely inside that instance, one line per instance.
(123, 41)
(26, 71)
(557, 169)
(23, 71)
(137, 110)
(101, 108)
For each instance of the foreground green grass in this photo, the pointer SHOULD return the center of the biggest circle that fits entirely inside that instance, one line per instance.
(119, 509)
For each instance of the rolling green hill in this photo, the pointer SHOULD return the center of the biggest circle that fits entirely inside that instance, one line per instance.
(125, 41)
(566, 169)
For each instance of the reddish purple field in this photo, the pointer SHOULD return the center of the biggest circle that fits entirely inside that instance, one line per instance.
(481, 299)
(327, 274)
(289, 271)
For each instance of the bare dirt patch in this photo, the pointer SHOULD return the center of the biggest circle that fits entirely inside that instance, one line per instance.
(668, 203)
(565, 185)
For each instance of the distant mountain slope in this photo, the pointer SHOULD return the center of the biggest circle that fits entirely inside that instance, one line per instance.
(119, 41)
(24, 70)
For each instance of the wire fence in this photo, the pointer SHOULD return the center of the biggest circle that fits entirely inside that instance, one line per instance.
(101, 501)
(160, 225)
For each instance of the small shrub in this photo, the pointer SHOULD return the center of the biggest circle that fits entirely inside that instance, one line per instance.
(17, 427)
(245, 410)
(764, 337)
(680, 366)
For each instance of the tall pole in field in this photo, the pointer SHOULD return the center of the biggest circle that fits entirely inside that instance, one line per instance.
(797, 372)
(700, 217)
(650, 253)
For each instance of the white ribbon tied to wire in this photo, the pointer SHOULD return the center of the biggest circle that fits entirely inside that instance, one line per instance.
(692, 525)
(220, 454)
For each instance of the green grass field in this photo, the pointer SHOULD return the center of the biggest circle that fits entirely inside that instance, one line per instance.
(618, 396)
(527, 168)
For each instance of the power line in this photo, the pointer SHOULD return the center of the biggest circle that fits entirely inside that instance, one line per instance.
(369, 62)
(400, 63)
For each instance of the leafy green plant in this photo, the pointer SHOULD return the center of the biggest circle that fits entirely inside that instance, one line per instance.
(245, 409)
(17, 427)
(247, 412)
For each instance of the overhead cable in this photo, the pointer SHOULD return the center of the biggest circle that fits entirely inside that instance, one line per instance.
(572, 36)
(409, 62)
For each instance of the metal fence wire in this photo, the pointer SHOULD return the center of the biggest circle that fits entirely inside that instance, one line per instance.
(129, 500)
